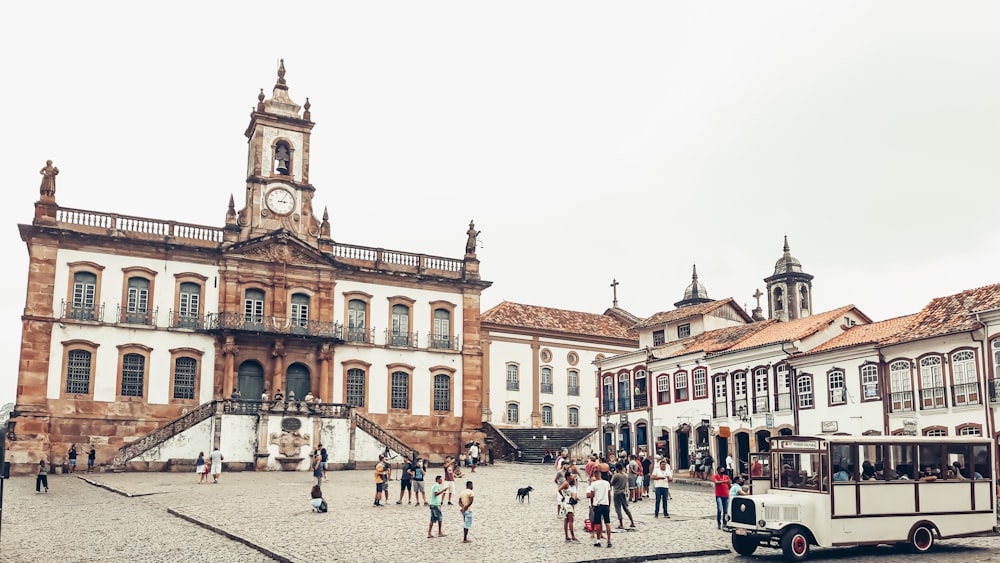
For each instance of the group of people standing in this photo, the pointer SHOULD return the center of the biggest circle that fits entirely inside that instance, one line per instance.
(42, 471)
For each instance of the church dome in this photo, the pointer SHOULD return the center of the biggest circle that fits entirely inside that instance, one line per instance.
(787, 263)
(695, 293)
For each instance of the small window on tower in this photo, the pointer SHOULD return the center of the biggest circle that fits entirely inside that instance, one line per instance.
(282, 158)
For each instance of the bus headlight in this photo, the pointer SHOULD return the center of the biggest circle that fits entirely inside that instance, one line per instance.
(761, 523)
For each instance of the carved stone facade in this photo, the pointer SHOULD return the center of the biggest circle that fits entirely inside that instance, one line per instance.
(130, 322)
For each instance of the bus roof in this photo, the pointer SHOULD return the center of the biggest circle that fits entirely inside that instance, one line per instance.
(895, 439)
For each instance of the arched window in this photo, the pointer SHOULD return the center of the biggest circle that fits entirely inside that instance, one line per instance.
(779, 303)
(869, 381)
(835, 382)
(663, 389)
(442, 392)
(900, 386)
(805, 390)
(740, 392)
(624, 392)
(357, 321)
(963, 369)
(761, 400)
(546, 415)
(84, 295)
(512, 413)
(400, 325)
(641, 392)
(573, 383)
(700, 377)
(78, 371)
(721, 404)
(356, 387)
(931, 383)
(300, 310)
(803, 298)
(574, 416)
(400, 390)
(137, 301)
(253, 307)
(546, 380)
(681, 386)
(189, 305)
(513, 379)
(441, 337)
(609, 394)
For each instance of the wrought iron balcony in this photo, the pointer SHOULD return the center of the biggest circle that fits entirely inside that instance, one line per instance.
(740, 404)
(965, 394)
(784, 401)
(901, 401)
(360, 335)
(513, 386)
(272, 325)
(443, 342)
(401, 339)
(573, 390)
(624, 404)
(545, 387)
(609, 406)
(127, 317)
(178, 320)
(995, 390)
(932, 398)
(640, 402)
(71, 311)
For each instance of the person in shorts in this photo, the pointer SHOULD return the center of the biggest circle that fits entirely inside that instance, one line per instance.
(437, 493)
(465, 507)
(418, 481)
(405, 481)
(599, 493)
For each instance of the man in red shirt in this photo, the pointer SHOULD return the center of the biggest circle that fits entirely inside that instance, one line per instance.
(722, 483)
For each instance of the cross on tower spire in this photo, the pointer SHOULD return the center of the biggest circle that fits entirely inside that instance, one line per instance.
(614, 289)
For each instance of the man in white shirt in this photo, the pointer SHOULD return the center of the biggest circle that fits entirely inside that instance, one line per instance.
(661, 478)
(216, 464)
(729, 465)
(474, 455)
(599, 493)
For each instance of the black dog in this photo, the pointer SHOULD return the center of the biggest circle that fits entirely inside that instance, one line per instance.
(524, 493)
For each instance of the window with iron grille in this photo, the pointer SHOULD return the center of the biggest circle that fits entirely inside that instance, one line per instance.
(185, 371)
(400, 393)
(442, 392)
(356, 387)
(78, 372)
(133, 375)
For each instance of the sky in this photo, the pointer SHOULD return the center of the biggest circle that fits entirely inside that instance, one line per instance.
(589, 141)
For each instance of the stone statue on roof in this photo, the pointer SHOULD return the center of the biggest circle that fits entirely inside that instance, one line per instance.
(48, 188)
(470, 244)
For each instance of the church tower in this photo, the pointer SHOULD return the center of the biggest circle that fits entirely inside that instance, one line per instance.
(789, 289)
(278, 194)
(695, 293)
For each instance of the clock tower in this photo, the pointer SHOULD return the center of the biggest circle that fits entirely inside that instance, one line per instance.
(278, 194)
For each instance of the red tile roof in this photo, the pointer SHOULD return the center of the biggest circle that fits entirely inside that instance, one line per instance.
(874, 333)
(679, 313)
(797, 329)
(949, 314)
(719, 339)
(561, 320)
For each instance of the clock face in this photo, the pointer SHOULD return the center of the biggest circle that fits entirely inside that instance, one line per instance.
(280, 201)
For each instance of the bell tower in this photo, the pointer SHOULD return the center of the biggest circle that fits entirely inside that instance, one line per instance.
(789, 289)
(278, 194)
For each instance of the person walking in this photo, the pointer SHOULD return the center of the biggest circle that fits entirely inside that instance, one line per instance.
(647, 472)
(437, 492)
(465, 507)
(722, 483)
(569, 493)
(72, 458)
(91, 458)
(619, 484)
(42, 477)
(449, 476)
(199, 467)
(380, 480)
(406, 481)
(661, 477)
(216, 464)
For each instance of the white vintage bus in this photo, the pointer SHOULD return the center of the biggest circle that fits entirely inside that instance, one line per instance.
(865, 490)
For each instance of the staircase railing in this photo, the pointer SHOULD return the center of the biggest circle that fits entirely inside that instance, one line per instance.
(506, 448)
(161, 434)
(381, 435)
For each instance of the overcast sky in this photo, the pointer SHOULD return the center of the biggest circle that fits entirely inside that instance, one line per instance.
(588, 141)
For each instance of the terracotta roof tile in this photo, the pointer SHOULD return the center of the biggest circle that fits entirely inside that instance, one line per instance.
(561, 320)
(949, 314)
(665, 317)
(794, 330)
(719, 339)
(873, 333)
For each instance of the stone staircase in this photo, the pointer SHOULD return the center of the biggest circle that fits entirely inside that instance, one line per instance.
(533, 442)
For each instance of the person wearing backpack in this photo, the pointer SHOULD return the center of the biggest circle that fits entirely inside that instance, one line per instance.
(405, 482)
(418, 481)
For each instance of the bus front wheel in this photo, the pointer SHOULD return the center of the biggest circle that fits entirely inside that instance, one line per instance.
(795, 544)
(744, 545)
(922, 539)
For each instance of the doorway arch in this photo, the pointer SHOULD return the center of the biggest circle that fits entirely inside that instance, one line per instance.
(297, 380)
(249, 380)
(626, 438)
(742, 452)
